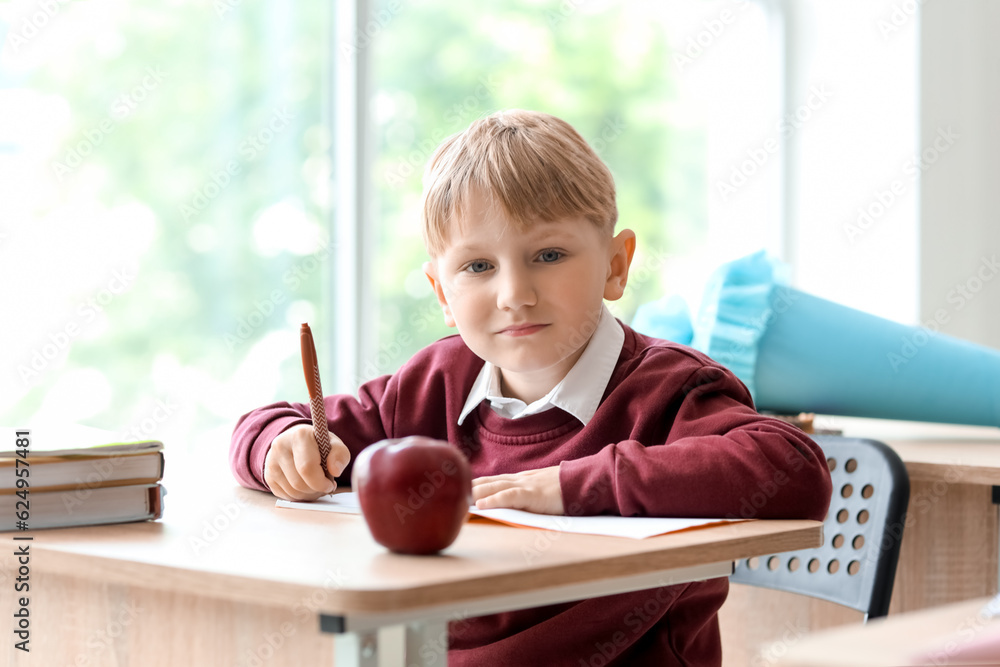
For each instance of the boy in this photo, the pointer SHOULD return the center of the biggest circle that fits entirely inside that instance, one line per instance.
(559, 407)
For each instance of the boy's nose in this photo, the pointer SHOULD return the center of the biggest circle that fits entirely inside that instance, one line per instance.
(515, 290)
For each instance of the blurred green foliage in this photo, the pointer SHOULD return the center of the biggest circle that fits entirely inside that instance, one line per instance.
(228, 149)
(215, 117)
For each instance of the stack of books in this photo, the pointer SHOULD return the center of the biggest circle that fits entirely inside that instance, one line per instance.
(52, 485)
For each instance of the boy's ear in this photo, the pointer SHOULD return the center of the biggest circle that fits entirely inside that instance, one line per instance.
(622, 249)
(430, 270)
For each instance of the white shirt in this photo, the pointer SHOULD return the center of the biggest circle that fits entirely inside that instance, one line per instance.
(579, 393)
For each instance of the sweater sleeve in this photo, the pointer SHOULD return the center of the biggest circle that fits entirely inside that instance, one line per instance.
(358, 421)
(720, 458)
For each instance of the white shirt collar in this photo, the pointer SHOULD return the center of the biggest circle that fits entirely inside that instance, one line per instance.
(579, 393)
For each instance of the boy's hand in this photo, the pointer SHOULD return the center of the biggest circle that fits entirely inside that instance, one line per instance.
(292, 469)
(532, 490)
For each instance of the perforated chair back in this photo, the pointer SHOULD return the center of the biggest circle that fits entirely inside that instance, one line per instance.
(862, 532)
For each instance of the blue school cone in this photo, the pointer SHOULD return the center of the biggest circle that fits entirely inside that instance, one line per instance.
(799, 353)
(668, 318)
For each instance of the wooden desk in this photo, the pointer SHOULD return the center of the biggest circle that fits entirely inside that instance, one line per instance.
(228, 578)
(949, 549)
(929, 637)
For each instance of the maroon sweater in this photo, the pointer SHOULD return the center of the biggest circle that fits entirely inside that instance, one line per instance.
(675, 435)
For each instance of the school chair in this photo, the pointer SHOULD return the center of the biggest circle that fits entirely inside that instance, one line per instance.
(862, 532)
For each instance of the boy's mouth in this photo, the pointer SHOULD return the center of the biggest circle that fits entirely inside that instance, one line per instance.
(522, 329)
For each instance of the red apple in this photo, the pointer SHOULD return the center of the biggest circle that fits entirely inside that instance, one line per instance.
(414, 493)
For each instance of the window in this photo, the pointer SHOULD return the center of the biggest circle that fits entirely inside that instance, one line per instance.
(163, 222)
(168, 180)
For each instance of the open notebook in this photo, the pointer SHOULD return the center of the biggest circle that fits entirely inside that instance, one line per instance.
(614, 526)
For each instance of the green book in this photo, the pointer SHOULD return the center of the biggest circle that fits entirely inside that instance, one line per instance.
(77, 476)
(60, 458)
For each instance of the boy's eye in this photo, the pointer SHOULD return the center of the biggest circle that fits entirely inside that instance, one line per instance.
(478, 266)
(550, 255)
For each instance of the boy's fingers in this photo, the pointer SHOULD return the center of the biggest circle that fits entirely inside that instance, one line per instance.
(492, 479)
(273, 476)
(276, 481)
(484, 486)
(307, 469)
(513, 498)
(296, 483)
(312, 476)
(533, 490)
(291, 466)
(338, 458)
(485, 501)
(286, 490)
(488, 487)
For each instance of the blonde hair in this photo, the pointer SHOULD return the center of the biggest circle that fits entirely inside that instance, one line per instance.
(535, 166)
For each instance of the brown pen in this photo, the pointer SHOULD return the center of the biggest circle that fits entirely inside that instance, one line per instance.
(310, 367)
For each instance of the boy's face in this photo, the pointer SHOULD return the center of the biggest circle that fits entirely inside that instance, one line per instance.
(528, 301)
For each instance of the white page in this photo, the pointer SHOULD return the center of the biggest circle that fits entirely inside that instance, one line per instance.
(344, 503)
(614, 526)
